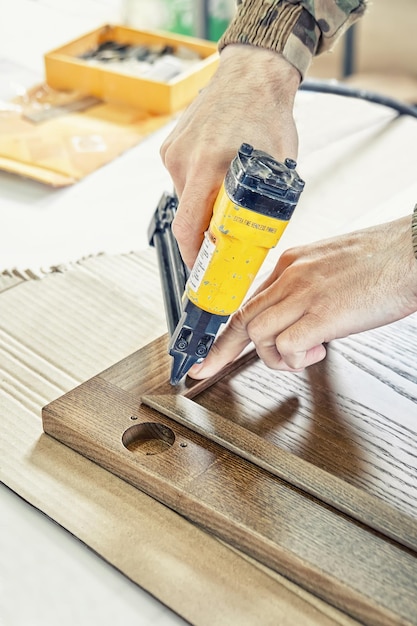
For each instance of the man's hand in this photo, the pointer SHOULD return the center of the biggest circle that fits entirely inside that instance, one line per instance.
(249, 100)
(321, 292)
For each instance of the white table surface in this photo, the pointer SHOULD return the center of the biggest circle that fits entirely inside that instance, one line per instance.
(47, 576)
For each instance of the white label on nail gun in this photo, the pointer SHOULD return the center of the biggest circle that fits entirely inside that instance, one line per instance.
(200, 266)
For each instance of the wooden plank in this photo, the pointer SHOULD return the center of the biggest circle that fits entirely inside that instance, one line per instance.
(359, 404)
(347, 564)
(330, 489)
(353, 415)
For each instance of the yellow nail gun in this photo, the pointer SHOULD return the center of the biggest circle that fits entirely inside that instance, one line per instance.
(252, 210)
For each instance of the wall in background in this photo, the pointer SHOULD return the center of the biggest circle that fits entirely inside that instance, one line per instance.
(386, 42)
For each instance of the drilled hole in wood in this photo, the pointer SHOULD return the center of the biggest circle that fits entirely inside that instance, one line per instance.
(148, 438)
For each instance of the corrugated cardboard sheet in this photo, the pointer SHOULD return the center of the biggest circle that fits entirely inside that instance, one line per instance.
(58, 330)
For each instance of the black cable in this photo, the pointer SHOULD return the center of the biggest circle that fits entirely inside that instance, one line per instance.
(339, 89)
(349, 52)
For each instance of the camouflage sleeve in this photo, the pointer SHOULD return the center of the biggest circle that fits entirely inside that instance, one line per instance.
(298, 30)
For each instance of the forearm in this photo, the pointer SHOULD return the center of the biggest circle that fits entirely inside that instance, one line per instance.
(298, 30)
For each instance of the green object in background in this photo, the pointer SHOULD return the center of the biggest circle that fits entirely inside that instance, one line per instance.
(220, 12)
(182, 17)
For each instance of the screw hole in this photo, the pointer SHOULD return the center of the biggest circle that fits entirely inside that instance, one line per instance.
(148, 438)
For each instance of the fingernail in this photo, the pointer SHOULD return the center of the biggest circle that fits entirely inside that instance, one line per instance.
(196, 369)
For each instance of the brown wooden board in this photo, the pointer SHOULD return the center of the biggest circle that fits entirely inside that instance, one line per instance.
(313, 474)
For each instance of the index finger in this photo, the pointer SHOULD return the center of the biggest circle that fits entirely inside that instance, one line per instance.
(195, 208)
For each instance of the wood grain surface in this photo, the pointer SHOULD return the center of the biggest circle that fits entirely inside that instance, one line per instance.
(341, 433)
(323, 485)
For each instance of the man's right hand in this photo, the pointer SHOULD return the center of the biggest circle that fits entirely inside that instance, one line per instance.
(250, 99)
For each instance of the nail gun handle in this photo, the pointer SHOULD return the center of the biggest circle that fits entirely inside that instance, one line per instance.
(172, 270)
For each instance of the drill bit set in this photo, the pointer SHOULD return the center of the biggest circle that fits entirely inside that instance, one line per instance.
(160, 61)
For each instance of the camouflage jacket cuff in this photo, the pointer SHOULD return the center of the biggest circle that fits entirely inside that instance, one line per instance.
(295, 29)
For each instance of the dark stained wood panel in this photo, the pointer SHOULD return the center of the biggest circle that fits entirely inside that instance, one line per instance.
(326, 487)
(347, 427)
(354, 415)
